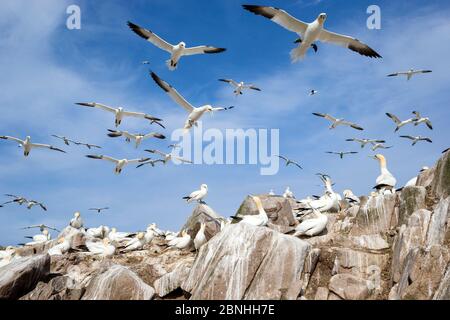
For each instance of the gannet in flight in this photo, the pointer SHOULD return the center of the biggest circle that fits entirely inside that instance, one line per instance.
(176, 51)
(417, 139)
(198, 195)
(337, 122)
(120, 113)
(61, 248)
(42, 227)
(102, 248)
(419, 119)
(409, 74)
(29, 203)
(138, 138)
(195, 113)
(39, 238)
(68, 141)
(259, 220)
(376, 146)
(239, 87)
(398, 122)
(136, 243)
(288, 194)
(120, 164)
(289, 161)
(350, 197)
(313, 226)
(76, 222)
(364, 142)
(99, 210)
(341, 154)
(385, 181)
(166, 157)
(28, 145)
(200, 237)
(311, 32)
(413, 181)
(313, 92)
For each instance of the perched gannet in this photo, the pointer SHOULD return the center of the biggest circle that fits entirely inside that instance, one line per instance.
(39, 238)
(170, 235)
(350, 197)
(166, 157)
(102, 248)
(313, 92)
(364, 142)
(289, 161)
(99, 210)
(288, 194)
(42, 227)
(181, 242)
(259, 220)
(239, 87)
(136, 243)
(100, 232)
(413, 181)
(271, 193)
(376, 146)
(398, 122)
(335, 197)
(27, 145)
(195, 113)
(417, 139)
(76, 221)
(176, 51)
(419, 119)
(341, 154)
(120, 113)
(61, 248)
(138, 138)
(7, 256)
(312, 227)
(409, 74)
(311, 32)
(337, 122)
(151, 232)
(116, 236)
(385, 181)
(198, 195)
(120, 164)
(200, 237)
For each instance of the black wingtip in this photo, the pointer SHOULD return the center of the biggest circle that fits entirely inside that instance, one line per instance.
(159, 81)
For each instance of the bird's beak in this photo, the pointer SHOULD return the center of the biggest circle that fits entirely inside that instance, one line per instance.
(299, 40)
(373, 157)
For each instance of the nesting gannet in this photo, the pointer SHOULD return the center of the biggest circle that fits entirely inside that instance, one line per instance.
(120, 164)
(61, 248)
(182, 242)
(120, 113)
(166, 157)
(341, 154)
(398, 122)
(200, 237)
(337, 122)
(170, 235)
(335, 197)
(385, 181)
(329, 201)
(259, 220)
(100, 232)
(138, 138)
(313, 92)
(288, 194)
(27, 145)
(239, 87)
(76, 222)
(117, 236)
(312, 227)
(198, 195)
(409, 74)
(417, 139)
(364, 142)
(39, 238)
(151, 232)
(136, 243)
(350, 197)
(195, 113)
(289, 161)
(99, 210)
(419, 119)
(311, 32)
(413, 181)
(376, 146)
(102, 248)
(41, 227)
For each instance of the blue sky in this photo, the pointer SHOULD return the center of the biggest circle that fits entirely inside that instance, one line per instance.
(46, 68)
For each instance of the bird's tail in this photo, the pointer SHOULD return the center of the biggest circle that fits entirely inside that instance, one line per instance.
(299, 53)
(236, 218)
(171, 65)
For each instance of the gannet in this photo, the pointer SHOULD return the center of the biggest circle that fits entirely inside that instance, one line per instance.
(116, 236)
(195, 113)
(335, 197)
(120, 113)
(271, 193)
(41, 227)
(120, 164)
(170, 235)
(151, 232)
(102, 248)
(398, 122)
(409, 74)
(364, 142)
(176, 51)
(417, 139)
(182, 242)
(76, 222)
(61, 248)
(337, 122)
(39, 238)
(100, 232)
(239, 87)
(88, 145)
(259, 220)
(66, 140)
(99, 210)
(289, 161)
(385, 181)
(419, 119)
(311, 32)
(138, 138)
(136, 243)
(17, 199)
(27, 145)
(200, 237)
(33, 203)
(413, 181)
(166, 157)
(341, 154)
(288, 194)
(7, 256)
(313, 226)
(198, 195)
(350, 197)
(376, 146)
(313, 92)
(29, 203)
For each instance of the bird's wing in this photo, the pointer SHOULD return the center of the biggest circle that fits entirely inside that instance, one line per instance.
(426, 139)
(253, 87)
(353, 125)
(230, 81)
(429, 125)
(135, 114)
(348, 42)
(178, 98)
(46, 146)
(417, 114)
(141, 160)
(181, 159)
(424, 71)
(157, 152)
(280, 17)
(408, 137)
(106, 158)
(154, 135)
(201, 50)
(97, 105)
(12, 139)
(324, 115)
(397, 74)
(393, 117)
(281, 157)
(151, 37)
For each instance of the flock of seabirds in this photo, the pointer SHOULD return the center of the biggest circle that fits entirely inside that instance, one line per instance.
(311, 212)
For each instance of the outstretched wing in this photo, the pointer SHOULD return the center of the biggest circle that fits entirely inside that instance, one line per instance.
(151, 37)
(348, 42)
(230, 81)
(178, 98)
(393, 117)
(202, 50)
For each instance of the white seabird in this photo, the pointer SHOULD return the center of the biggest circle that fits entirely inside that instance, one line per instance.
(259, 220)
(385, 181)
(151, 232)
(341, 154)
(288, 194)
(99, 210)
(195, 113)
(182, 242)
(120, 164)
(200, 237)
(398, 122)
(289, 162)
(419, 119)
(312, 227)
(136, 243)
(138, 138)
(102, 248)
(311, 32)
(337, 122)
(27, 145)
(100, 232)
(198, 195)
(176, 51)
(413, 181)
(364, 142)
(166, 157)
(376, 146)
(350, 197)
(409, 74)
(40, 238)
(416, 139)
(61, 248)
(117, 236)
(76, 221)
(120, 113)
(42, 227)
(239, 87)
(313, 92)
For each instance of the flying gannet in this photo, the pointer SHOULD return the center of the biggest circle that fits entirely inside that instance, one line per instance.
(419, 119)
(195, 113)
(364, 142)
(289, 161)
(68, 141)
(413, 181)
(288, 194)
(311, 32)
(409, 74)
(376, 146)
(102, 248)
(120, 113)
(313, 92)
(76, 222)
(28, 145)
(29, 203)
(41, 227)
(417, 139)
(120, 164)
(176, 51)
(166, 157)
(398, 122)
(99, 210)
(239, 87)
(200, 237)
(138, 138)
(337, 122)
(198, 195)
(341, 154)
(312, 227)
(385, 181)
(259, 220)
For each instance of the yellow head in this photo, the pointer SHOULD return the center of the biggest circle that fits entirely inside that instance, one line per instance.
(140, 235)
(61, 240)
(322, 17)
(77, 214)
